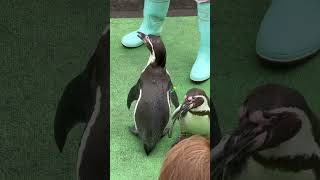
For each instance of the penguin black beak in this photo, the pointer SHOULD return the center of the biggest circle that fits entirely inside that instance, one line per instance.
(142, 36)
(183, 109)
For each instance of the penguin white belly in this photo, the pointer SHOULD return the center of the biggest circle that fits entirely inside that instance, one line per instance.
(256, 171)
(196, 124)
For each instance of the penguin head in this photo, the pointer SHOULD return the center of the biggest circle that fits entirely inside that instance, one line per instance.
(267, 129)
(290, 135)
(258, 131)
(156, 48)
(289, 129)
(195, 100)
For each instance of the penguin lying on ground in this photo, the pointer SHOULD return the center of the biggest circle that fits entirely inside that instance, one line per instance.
(194, 115)
(153, 93)
(278, 138)
(85, 101)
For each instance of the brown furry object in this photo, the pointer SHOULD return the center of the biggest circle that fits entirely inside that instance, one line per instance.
(187, 160)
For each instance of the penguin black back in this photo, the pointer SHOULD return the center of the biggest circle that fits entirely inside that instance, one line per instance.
(93, 158)
(153, 92)
(85, 101)
(155, 83)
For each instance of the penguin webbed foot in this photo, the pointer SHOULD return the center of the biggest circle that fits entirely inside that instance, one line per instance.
(133, 130)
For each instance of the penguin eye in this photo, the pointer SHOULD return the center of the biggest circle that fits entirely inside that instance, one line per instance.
(189, 98)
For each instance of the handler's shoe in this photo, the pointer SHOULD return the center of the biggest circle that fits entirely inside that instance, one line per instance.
(290, 31)
(154, 13)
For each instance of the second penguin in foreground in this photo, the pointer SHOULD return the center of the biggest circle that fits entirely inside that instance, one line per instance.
(194, 114)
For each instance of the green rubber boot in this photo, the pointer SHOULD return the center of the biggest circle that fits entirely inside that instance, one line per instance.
(154, 13)
(289, 31)
(201, 68)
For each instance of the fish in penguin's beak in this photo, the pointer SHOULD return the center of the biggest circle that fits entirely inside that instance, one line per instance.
(259, 131)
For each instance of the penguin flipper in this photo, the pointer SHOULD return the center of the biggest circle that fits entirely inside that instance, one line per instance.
(173, 96)
(73, 108)
(133, 94)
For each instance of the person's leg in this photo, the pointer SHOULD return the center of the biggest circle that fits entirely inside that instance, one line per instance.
(201, 68)
(154, 13)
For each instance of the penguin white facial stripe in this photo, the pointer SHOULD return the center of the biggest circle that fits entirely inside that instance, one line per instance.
(87, 131)
(301, 144)
(135, 109)
(203, 107)
(151, 59)
(152, 56)
(148, 39)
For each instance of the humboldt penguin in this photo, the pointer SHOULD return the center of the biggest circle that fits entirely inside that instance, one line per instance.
(153, 93)
(194, 114)
(84, 100)
(278, 137)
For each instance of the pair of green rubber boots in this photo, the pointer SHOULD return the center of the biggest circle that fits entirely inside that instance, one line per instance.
(154, 13)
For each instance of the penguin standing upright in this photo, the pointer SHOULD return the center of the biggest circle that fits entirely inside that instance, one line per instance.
(278, 138)
(154, 93)
(85, 101)
(194, 115)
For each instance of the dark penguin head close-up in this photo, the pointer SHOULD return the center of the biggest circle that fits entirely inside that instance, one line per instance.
(84, 100)
(276, 128)
(195, 101)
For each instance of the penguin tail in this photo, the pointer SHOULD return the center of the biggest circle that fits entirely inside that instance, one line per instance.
(60, 139)
(148, 148)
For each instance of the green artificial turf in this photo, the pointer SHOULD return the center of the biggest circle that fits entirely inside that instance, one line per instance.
(180, 35)
(235, 64)
(43, 45)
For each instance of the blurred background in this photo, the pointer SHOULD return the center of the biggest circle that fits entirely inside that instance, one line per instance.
(43, 45)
